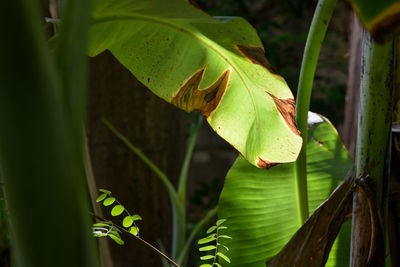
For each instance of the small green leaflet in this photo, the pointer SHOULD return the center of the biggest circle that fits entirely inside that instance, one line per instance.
(117, 210)
(102, 224)
(128, 221)
(105, 191)
(207, 239)
(207, 257)
(134, 230)
(101, 197)
(207, 248)
(98, 234)
(136, 217)
(117, 239)
(211, 229)
(109, 201)
(224, 257)
(219, 222)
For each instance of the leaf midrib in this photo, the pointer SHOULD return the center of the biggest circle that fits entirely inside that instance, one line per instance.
(116, 17)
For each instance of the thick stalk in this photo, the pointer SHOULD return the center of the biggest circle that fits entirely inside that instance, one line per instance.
(319, 25)
(374, 124)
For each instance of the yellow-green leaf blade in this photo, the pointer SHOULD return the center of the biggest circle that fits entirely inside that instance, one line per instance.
(198, 63)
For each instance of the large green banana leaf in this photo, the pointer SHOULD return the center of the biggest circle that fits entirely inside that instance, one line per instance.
(197, 62)
(381, 18)
(260, 205)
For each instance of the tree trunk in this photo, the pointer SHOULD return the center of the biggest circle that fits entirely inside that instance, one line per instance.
(151, 124)
(353, 87)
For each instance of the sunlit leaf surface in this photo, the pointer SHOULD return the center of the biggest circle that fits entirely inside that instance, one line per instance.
(199, 63)
(260, 205)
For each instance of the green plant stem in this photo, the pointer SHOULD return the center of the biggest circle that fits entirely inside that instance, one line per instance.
(319, 25)
(216, 247)
(178, 209)
(179, 236)
(375, 111)
(141, 240)
(188, 156)
(185, 251)
(372, 153)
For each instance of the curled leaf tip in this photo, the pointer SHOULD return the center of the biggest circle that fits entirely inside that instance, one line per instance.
(265, 164)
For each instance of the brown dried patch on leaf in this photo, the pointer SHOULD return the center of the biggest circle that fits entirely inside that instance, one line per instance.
(287, 108)
(265, 164)
(190, 98)
(256, 55)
